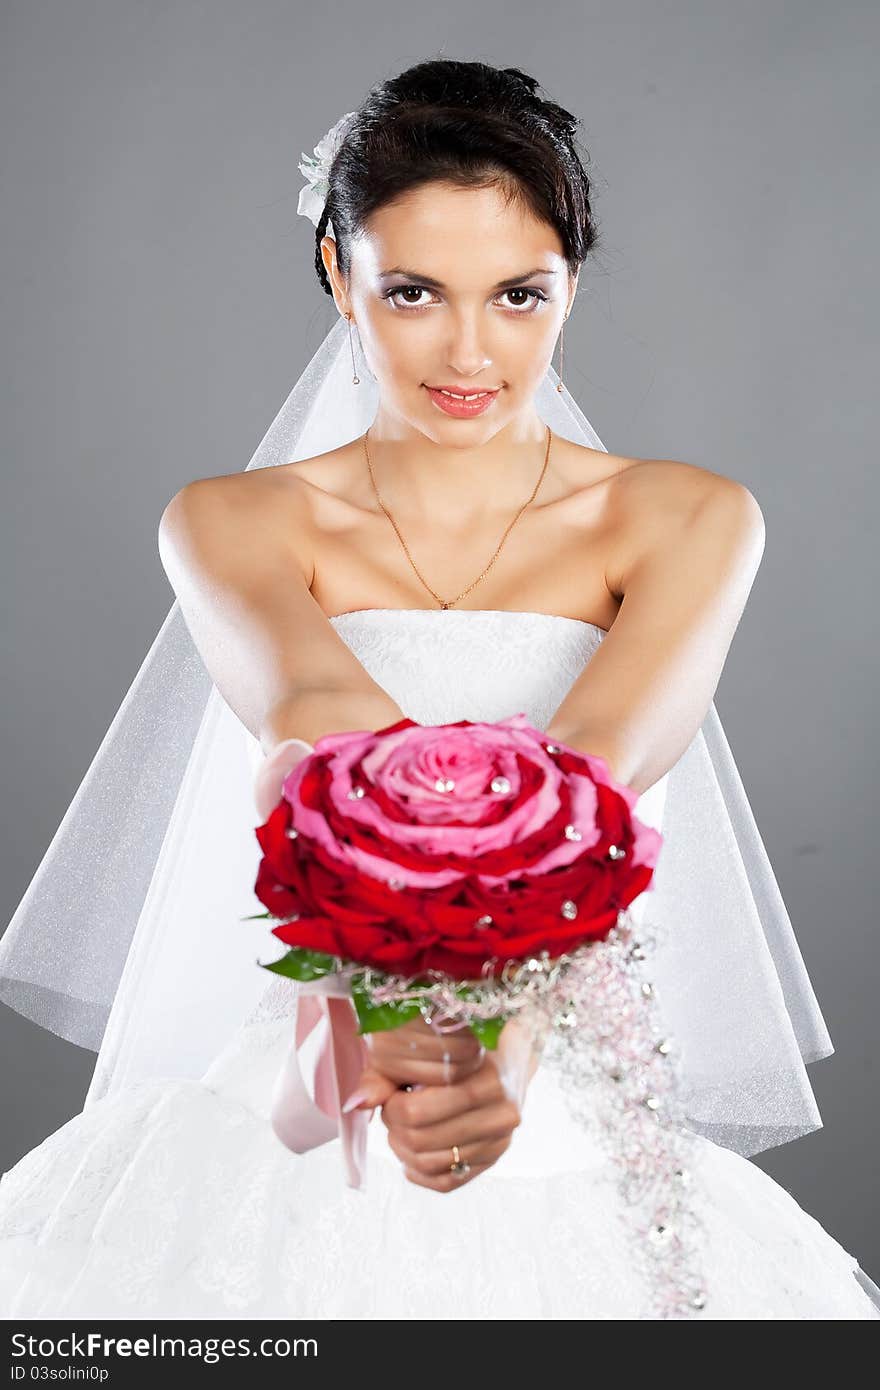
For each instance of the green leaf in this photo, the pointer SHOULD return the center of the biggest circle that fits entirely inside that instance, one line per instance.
(301, 963)
(256, 916)
(380, 1018)
(488, 1030)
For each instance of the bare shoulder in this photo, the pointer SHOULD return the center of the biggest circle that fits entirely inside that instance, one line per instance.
(656, 499)
(263, 510)
(638, 484)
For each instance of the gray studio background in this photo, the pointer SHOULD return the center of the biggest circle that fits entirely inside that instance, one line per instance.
(159, 300)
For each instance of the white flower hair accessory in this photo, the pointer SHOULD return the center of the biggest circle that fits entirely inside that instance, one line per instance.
(317, 170)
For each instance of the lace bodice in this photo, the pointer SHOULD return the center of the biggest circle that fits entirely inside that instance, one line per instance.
(440, 665)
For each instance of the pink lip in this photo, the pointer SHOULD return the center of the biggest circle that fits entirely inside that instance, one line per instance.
(461, 409)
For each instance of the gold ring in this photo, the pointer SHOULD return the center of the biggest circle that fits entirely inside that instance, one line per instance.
(459, 1166)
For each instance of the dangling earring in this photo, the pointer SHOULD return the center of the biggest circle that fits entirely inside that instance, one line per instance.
(561, 351)
(355, 380)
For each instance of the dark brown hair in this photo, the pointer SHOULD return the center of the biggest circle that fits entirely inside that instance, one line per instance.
(465, 123)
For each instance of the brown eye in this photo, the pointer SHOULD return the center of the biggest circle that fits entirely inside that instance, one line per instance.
(407, 289)
(530, 294)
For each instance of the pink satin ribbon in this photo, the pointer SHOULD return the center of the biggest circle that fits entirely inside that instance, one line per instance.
(303, 1121)
(300, 1120)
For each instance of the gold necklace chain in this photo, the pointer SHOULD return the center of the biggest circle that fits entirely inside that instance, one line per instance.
(447, 603)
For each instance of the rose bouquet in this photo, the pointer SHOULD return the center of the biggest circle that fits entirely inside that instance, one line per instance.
(447, 855)
(470, 873)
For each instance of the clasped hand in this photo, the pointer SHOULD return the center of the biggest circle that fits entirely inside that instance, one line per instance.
(468, 1096)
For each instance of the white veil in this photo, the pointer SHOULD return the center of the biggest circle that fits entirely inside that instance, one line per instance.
(129, 941)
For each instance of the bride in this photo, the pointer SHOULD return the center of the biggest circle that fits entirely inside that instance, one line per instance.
(430, 529)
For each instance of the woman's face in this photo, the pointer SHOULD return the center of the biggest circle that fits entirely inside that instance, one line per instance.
(455, 287)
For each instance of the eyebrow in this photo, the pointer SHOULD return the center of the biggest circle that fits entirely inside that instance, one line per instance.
(438, 284)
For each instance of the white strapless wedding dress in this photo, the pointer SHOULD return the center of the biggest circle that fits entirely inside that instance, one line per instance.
(175, 1199)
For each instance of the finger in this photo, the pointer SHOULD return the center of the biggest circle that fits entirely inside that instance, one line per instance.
(416, 1072)
(491, 1122)
(372, 1089)
(410, 1041)
(435, 1103)
(474, 1155)
(438, 1162)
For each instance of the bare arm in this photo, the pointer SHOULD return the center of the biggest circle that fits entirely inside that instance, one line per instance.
(243, 585)
(647, 689)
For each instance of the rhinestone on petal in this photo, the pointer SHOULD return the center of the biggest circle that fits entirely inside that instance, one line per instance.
(395, 883)
(356, 793)
(615, 852)
(551, 747)
(291, 832)
(500, 784)
(572, 833)
(569, 909)
(485, 921)
(660, 1235)
(443, 784)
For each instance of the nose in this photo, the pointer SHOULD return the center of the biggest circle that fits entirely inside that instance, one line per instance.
(467, 356)
(464, 368)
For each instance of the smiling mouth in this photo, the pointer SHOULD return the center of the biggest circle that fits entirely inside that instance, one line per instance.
(466, 396)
